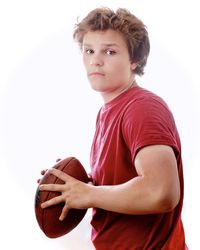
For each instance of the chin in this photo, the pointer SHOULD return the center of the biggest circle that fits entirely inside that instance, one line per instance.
(97, 84)
(97, 87)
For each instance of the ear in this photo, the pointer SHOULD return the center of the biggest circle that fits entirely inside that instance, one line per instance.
(133, 66)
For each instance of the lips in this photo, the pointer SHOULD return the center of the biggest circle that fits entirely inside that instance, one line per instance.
(96, 73)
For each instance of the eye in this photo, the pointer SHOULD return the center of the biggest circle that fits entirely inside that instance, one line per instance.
(88, 51)
(110, 52)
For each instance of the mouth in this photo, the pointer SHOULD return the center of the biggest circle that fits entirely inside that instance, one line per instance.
(96, 74)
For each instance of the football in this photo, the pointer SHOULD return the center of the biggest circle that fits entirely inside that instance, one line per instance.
(48, 218)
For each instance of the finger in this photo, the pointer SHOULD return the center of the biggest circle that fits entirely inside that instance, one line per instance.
(51, 202)
(60, 174)
(64, 213)
(44, 171)
(51, 187)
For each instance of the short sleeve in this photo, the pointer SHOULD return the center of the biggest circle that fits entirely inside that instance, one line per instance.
(148, 121)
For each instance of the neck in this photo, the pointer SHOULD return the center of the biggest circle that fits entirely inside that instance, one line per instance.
(108, 97)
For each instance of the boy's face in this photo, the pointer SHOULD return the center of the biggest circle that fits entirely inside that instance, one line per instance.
(107, 62)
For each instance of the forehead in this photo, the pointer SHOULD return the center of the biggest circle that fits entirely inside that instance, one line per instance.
(100, 38)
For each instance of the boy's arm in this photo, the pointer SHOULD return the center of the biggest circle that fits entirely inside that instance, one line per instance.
(156, 189)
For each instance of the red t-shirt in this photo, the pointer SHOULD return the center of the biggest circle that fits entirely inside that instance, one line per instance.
(135, 119)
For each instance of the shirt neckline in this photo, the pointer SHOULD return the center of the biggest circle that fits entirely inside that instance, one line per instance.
(118, 98)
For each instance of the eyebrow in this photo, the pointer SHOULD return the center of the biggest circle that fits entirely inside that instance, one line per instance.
(103, 44)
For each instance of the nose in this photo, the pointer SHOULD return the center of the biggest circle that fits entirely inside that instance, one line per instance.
(96, 60)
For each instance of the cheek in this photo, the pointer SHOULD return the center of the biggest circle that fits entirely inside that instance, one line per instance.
(85, 62)
(120, 70)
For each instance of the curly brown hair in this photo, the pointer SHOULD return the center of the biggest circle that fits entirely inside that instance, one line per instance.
(123, 21)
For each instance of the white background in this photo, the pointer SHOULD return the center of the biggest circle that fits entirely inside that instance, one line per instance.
(48, 111)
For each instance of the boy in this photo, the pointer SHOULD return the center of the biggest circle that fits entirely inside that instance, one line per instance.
(136, 165)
